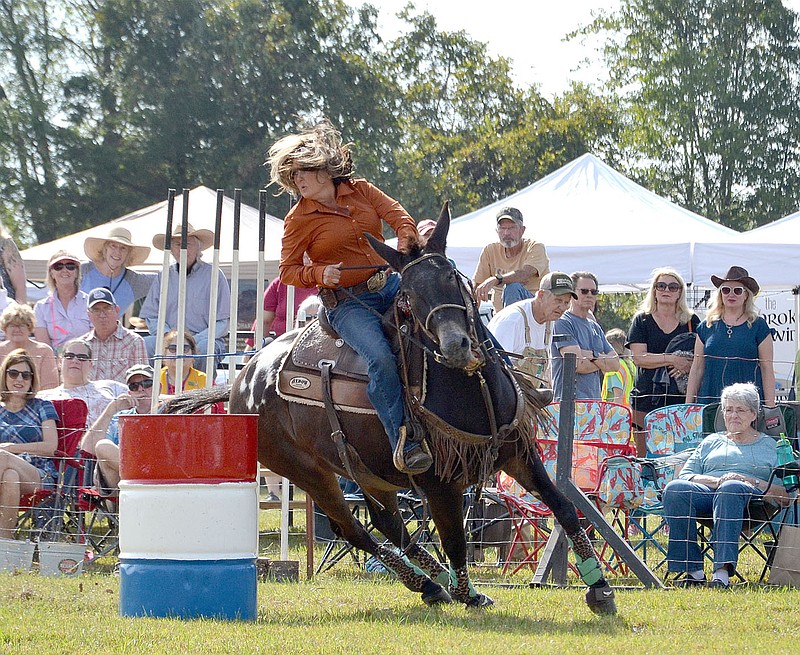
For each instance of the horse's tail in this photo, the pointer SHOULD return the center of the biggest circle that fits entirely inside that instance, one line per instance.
(192, 401)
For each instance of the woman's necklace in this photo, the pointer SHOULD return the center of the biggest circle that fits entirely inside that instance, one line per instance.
(732, 325)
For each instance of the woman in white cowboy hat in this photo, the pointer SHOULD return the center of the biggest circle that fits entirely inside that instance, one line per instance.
(198, 289)
(110, 256)
(734, 343)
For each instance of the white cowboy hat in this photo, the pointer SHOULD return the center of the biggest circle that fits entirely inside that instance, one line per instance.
(93, 246)
(205, 237)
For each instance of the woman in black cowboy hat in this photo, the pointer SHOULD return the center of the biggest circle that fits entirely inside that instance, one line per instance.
(734, 343)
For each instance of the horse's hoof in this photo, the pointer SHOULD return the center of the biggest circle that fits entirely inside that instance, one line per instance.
(600, 599)
(440, 596)
(480, 601)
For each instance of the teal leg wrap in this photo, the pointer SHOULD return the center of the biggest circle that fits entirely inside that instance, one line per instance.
(585, 558)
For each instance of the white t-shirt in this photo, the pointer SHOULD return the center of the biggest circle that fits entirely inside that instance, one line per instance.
(508, 326)
(97, 395)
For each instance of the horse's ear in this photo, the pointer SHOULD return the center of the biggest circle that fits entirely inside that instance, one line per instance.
(438, 238)
(392, 256)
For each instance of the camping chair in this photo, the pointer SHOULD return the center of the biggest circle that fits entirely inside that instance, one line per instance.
(602, 430)
(412, 511)
(762, 518)
(99, 513)
(52, 514)
(671, 433)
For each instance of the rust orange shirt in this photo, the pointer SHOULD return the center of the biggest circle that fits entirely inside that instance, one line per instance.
(330, 236)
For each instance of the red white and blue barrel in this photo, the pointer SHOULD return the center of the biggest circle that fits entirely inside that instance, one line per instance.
(188, 533)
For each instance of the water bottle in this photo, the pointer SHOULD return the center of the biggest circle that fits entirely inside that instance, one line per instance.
(786, 455)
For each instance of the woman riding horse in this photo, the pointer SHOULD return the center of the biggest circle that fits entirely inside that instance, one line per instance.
(294, 439)
(328, 222)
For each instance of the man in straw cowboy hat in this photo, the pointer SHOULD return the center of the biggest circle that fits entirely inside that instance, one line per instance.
(110, 257)
(198, 290)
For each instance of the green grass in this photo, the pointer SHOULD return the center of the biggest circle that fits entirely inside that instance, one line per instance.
(350, 612)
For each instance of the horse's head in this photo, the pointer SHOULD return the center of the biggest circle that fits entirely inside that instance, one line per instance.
(439, 300)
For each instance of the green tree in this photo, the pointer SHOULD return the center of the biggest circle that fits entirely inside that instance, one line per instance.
(710, 90)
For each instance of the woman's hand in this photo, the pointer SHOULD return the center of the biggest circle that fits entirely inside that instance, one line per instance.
(679, 365)
(332, 274)
(738, 477)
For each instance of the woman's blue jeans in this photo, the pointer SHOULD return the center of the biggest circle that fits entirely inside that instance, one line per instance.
(362, 330)
(684, 501)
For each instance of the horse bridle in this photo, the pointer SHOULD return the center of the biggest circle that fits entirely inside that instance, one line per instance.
(466, 306)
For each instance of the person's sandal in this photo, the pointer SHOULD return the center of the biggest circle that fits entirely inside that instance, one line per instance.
(719, 585)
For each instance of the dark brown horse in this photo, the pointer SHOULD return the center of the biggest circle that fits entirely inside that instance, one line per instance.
(468, 391)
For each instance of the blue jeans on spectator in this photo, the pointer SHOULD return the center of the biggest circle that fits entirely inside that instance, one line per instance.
(514, 292)
(684, 501)
(363, 331)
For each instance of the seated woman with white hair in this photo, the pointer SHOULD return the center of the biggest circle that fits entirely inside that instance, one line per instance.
(719, 479)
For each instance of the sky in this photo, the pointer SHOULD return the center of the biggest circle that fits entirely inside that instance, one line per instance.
(530, 32)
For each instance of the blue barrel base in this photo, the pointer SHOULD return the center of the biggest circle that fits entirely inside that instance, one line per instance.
(188, 589)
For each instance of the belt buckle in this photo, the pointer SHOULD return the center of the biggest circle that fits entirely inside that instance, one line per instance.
(377, 281)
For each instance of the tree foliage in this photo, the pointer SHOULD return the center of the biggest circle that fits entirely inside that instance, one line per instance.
(105, 104)
(710, 92)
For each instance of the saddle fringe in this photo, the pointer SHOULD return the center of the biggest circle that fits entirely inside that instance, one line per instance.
(469, 463)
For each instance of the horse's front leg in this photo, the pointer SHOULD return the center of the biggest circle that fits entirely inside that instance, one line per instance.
(446, 502)
(533, 476)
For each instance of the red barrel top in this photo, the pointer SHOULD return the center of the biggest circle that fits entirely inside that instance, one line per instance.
(183, 448)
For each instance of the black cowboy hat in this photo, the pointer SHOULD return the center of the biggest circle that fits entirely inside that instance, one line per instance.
(737, 274)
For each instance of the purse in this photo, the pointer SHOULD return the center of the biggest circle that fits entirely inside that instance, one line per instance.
(785, 568)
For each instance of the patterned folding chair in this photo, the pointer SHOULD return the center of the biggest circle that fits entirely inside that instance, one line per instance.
(671, 433)
(602, 430)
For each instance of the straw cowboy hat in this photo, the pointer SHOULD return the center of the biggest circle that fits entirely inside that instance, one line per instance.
(737, 274)
(205, 237)
(93, 246)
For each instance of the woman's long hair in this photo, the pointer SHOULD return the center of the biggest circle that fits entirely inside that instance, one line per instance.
(716, 307)
(650, 302)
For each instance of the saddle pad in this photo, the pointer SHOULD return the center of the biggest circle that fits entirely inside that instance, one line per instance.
(300, 380)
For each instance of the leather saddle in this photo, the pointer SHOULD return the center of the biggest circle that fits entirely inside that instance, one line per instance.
(300, 380)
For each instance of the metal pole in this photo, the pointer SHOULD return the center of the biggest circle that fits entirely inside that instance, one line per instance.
(211, 362)
(180, 328)
(234, 322)
(258, 338)
(162, 307)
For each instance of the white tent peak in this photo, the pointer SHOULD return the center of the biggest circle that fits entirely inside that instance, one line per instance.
(591, 217)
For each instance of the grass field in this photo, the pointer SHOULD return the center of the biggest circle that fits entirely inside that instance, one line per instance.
(351, 612)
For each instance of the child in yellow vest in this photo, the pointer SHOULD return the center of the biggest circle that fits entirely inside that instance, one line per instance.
(618, 384)
(192, 378)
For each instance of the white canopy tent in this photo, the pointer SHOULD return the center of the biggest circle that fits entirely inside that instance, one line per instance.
(768, 252)
(590, 217)
(145, 223)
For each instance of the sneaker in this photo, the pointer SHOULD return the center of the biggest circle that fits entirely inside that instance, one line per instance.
(411, 457)
(687, 582)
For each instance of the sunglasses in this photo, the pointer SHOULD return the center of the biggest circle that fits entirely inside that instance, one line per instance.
(736, 291)
(663, 286)
(586, 292)
(60, 266)
(14, 373)
(81, 357)
(144, 384)
(173, 348)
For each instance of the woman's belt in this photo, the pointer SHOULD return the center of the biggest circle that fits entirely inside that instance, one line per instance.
(332, 297)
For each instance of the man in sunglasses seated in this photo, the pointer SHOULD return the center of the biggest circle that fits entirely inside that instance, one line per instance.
(76, 362)
(102, 438)
(116, 348)
(578, 332)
